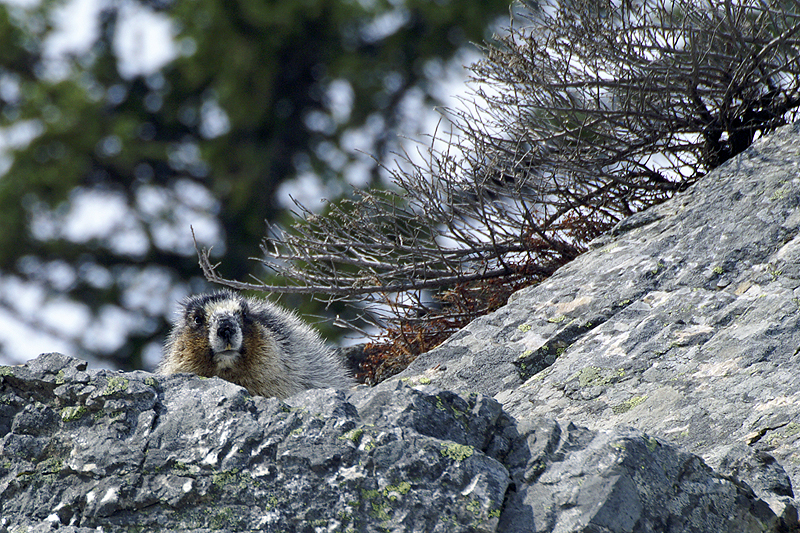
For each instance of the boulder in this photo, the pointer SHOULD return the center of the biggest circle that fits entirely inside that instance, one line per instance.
(683, 322)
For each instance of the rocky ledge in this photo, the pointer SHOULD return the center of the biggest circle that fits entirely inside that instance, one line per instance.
(651, 385)
(85, 449)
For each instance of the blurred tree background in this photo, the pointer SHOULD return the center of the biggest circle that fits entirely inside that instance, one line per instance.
(209, 113)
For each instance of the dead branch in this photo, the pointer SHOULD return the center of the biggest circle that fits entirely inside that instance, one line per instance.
(584, 113)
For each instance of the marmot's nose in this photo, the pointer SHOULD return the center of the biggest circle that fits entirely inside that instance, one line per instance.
(226, 330)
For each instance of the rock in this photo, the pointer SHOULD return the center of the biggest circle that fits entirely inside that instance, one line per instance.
(624, 480)
(92, 449)
(84, 449)
(683, 322)
(651, 385)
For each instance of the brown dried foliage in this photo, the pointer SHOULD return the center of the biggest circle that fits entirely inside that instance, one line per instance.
(586, 112)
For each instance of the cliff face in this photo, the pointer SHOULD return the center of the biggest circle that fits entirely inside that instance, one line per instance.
(650, 385)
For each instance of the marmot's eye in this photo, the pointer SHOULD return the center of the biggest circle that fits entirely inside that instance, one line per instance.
(198, 320)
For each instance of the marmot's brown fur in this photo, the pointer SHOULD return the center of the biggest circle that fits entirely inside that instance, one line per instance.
(250, 342)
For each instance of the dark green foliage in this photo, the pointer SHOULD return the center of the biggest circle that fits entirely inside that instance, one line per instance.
(143, 143)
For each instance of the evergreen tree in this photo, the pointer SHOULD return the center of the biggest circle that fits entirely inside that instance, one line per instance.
(115, 162)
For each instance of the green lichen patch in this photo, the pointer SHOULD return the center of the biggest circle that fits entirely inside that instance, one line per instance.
(594, 376)
(531, 362)
(222, 519)
(369, 494)
(379, 510)
(456, 452)
(474, 507)
(791, 429)
(378, 507)
(354, 435)
(380, 503)
(629, 404)
(651, 443)
(73, 412)
(115, 384)
(781, 193)
(524, 328)
(5, 371)
(50, 465)
(234, 479)
(482, 514)
(272, 502)
(657, 268)
(393, 492)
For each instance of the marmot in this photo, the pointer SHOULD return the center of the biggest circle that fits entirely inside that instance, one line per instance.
(250, 342)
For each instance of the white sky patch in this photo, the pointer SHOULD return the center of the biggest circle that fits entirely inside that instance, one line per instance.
(108, 332)
(144, 40)
(172, 213)
(15, 137)
(307, 189)
(214, 120)
(152, 354)
(92, 215)
(23, 331)
(385, 24)
(95, 214)
(75, 28)
(359, 173)
(339, 99)
(27, 298)
(9, 87)
(24, 4)
(21, 342)
(65, 317)
(151, 290)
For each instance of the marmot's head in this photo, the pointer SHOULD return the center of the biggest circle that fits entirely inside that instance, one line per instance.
(215, 326)
(251, 342)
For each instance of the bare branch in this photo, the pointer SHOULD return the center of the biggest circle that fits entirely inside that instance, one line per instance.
(584, 113)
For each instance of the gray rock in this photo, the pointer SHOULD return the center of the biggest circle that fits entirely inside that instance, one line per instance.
(684, 322)
(91, 449)
(623, 480)
(650, 385)
(86, 449)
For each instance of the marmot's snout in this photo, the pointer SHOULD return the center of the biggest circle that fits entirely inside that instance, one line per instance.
(227, 329)
(225, 335)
